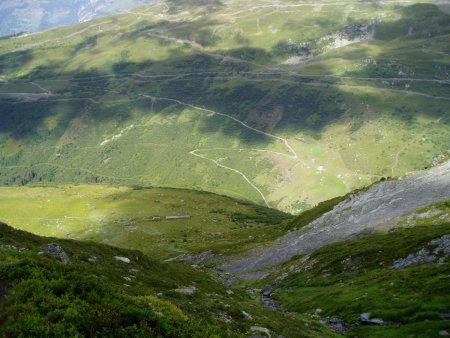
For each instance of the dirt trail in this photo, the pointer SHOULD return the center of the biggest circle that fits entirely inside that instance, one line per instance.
(292, 152)
(193, 152)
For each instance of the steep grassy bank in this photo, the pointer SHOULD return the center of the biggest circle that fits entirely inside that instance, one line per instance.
(390, 275)
(96, 294)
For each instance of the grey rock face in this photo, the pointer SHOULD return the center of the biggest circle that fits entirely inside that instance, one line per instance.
(55, 251)
(439, 251)
(361, 213)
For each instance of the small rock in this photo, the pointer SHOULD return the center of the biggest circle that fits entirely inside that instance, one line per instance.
(230, 292)
(337, 325)
(247, 315)
(189, 290)
(226, 318)
(445, 315)
(127, 278)
(122, 259)
(444, 333)
(267, 291)
(92, 259)
(281, 278)
(318, 312)
(261, 329)
(55, 251)
(365, 319)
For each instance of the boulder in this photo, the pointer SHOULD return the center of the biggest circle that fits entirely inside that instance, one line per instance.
(365, 319)
(122, 259)
(55, 251)
(189, 290)
(267, 291)
(247, 315)
(261, 329)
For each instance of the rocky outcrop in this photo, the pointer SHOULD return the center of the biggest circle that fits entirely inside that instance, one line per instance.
(437, 250)
(57, 252)
(360, 214)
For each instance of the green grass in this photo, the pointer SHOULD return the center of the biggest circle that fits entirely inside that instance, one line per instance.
(356, 276)
(86, 298)
(124, 217)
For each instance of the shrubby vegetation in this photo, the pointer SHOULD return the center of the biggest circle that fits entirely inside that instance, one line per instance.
(90, 296)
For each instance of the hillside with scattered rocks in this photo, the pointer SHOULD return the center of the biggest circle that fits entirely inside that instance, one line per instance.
(361, 213)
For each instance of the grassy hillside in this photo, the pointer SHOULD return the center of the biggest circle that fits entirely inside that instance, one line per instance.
(135, 218)
(97, 295)
(347, 279)
(285, 104)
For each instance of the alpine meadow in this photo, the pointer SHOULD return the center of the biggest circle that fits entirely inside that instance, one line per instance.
(224, 168)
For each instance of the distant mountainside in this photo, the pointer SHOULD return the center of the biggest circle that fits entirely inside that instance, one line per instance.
(17, 16)
(283, 103)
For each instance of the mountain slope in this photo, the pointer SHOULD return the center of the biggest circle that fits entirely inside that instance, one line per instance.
(378, 208)
(284, 104)
(104, 291)
(400, 277)
(24, 16)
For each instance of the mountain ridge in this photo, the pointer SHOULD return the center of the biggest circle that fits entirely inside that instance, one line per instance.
(20, 17)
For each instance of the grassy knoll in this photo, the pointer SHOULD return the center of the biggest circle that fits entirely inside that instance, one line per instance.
(127, 217)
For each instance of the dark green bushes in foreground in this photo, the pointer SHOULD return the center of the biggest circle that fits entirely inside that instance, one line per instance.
(49, 299)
